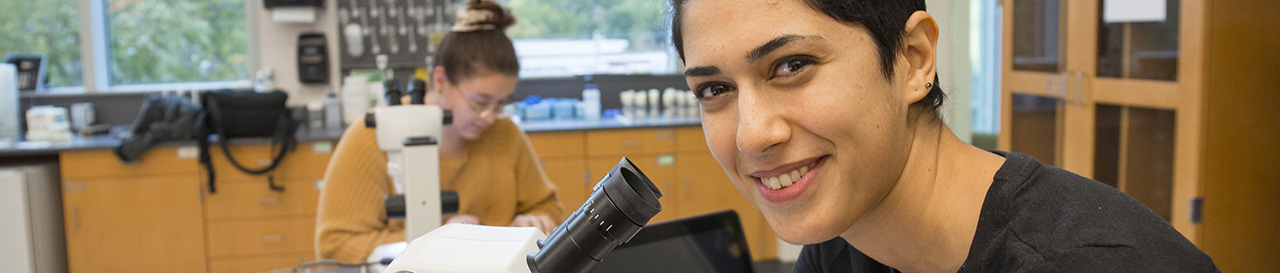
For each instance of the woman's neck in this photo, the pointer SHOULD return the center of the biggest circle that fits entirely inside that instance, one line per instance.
(927, 221)
(452, 145)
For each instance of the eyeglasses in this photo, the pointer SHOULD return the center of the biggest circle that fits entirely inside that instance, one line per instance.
(489, 108)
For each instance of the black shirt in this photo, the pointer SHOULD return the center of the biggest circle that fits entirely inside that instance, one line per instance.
(1038, 218)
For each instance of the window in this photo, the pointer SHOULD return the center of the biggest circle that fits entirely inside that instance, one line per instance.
(177, 41)
(576, 37)
(48, 27)
(131, 45)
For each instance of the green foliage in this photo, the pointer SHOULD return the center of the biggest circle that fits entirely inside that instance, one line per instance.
(640, 21)
(170, 41)
(49, 27)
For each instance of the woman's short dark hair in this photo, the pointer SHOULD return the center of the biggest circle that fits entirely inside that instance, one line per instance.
(481, 49)
(885, 19)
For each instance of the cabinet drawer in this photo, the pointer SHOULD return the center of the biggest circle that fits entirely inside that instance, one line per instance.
(559, 144)
(265, 236)
(691, 139)
(255, 199)
(630, 142)
(104, 163)
(260, 263)
(308, 161)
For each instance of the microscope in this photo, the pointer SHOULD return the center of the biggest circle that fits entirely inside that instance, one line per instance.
(620, 205)
(410, 133)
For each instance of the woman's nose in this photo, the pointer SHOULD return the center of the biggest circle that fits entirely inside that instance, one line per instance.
(760, 124)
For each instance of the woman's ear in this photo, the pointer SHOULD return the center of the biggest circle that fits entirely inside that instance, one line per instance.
(438, 82)
(921, 54)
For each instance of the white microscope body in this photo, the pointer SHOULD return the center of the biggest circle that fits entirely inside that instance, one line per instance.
(413, 160)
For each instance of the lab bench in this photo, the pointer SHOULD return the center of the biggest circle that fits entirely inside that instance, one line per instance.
(158, 213)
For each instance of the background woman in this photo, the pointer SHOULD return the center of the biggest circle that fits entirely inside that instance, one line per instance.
(486, 159)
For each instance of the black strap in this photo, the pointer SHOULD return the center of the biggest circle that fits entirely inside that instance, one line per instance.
(284, 138)
(206, 161)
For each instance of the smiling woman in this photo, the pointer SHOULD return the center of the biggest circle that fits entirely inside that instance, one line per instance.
(824, 114)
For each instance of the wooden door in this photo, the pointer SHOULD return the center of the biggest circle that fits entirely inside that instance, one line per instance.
(152, 223)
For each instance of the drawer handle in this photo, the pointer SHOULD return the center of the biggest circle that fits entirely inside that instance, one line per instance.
(269, 200)
(271, 238)
(632, 143)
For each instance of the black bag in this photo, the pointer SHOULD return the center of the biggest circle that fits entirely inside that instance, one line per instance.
(237, 114)
(162, 118)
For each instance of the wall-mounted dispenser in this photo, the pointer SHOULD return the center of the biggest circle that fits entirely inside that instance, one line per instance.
(293, 11)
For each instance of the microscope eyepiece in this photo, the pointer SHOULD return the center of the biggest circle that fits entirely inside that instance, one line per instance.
(620, 205)
(391, 89)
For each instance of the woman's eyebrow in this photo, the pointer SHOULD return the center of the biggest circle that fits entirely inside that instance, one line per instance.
(701, 71)
(774, 44)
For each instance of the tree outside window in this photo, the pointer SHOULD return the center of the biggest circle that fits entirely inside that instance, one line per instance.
(49, 27)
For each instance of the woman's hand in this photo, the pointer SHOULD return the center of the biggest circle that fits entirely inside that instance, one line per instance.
(542, 222)
(463, 219)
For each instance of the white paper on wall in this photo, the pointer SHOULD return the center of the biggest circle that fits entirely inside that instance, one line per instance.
(1132, 11)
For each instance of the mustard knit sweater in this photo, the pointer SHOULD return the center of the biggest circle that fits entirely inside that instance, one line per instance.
(499, 178)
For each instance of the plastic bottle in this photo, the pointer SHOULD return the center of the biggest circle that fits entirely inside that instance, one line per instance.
(591, 102)
(332, 112)
(355, 98)
(655, 102)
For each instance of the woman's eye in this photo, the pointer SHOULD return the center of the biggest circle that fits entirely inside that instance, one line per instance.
(711, 90)
(790, 65)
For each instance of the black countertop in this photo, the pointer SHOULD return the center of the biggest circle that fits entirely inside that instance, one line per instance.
(99, 142)
(44, 148)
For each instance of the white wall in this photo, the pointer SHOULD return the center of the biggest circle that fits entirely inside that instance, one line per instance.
(277, 48)
(954, 63)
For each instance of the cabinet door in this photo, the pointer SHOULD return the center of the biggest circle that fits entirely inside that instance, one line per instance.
(705, 188)
(1138, 60)
(572, 184)
(134, 224)
(1124, 96)
(253, 199)
(1046, 109)
(659, 168)
(260, 263)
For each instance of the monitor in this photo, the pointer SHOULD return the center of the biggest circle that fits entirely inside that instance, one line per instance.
(712, 242)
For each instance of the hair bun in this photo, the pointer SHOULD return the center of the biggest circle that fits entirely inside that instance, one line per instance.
(483, 15)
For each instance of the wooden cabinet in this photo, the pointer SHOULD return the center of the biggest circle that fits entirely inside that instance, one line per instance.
(563, 156)
(660, 168)
(1106, 98)
(675, 159)
(158, 215)
(254, 228)
(132, 217)
(1170, 111)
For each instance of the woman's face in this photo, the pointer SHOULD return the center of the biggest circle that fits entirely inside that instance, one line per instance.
(476, 102)
(788, 92)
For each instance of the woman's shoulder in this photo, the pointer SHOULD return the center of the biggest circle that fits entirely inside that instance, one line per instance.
(1039, 212)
